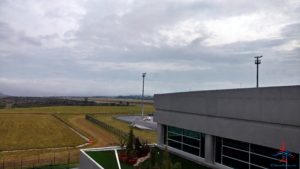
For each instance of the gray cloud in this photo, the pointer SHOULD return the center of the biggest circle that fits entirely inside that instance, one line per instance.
(101, 47)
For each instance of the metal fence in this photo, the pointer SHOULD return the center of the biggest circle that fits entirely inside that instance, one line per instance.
(110, 128)
(106, 126)
(51, 160)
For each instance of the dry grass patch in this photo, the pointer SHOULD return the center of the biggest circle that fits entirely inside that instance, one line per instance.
(100, 136)
(22, 131)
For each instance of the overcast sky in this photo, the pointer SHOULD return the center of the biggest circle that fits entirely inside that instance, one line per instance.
(102, 47)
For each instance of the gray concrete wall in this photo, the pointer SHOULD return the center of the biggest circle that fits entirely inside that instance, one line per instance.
(264, 116)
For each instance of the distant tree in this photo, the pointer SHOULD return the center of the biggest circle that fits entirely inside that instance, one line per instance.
(86, 99)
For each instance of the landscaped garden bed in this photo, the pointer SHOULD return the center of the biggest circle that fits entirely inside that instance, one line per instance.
(157, 160)
(137, 155)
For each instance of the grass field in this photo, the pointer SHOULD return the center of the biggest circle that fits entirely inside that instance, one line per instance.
(30, 128)
(148, 135)
(100, 136)
(80, 109)
(26, 128)
(21, 131)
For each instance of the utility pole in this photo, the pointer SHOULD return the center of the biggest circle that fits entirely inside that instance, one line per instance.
(257, 62)
(143, 75)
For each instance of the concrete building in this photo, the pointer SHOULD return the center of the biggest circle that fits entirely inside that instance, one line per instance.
(253, 128)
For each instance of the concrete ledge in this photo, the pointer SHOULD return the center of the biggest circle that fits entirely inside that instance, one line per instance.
(279, 105)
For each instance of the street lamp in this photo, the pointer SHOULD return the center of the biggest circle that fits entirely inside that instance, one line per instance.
(257, 62)
(143, 75)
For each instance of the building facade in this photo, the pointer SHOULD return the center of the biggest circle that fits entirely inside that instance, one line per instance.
(255, 128)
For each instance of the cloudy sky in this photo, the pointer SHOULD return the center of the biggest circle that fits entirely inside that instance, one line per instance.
(102, 47)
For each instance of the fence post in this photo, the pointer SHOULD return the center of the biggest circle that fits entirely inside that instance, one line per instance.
(54, 158)
(39, 159)
(69, 160)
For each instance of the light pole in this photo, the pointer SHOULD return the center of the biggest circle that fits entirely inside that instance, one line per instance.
(257, 62)
(143, 75)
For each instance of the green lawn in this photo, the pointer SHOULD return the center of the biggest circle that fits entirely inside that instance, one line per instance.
(27, 131)
(107, 159)
(31, 128)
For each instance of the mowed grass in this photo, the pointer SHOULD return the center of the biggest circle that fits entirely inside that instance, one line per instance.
(80, 109)
(31, 128)
(148, 135)
(98, 135)
(29, 131)
(106, 159)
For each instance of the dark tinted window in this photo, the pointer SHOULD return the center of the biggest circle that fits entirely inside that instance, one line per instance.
(175, 130)
(202, 154)
(192, 134)
(191, 150)
(174, 144)
(234, 163)
(266, 151)
(218, 150)
(236, 144)
(175, 137)
(185, 140)
(264, 162)
(190, 141)
(165, 133)
(294, 161)
(255, 167)
(236, 154)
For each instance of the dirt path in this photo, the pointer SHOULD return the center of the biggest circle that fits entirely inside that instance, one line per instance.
(100, 137)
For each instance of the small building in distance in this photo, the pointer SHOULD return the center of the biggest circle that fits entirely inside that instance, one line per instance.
(253, 128)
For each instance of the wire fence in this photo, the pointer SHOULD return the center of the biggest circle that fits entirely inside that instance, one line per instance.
(112, 129)
(38, 161)
(106, 126)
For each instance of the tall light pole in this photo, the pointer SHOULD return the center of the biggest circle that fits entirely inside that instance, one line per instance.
(257, 62)
(143, 75)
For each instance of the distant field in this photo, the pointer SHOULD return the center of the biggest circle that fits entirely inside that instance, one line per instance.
(22, 131)
(80, 109)
(26, 128)
(135, 101)
(148, 135)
